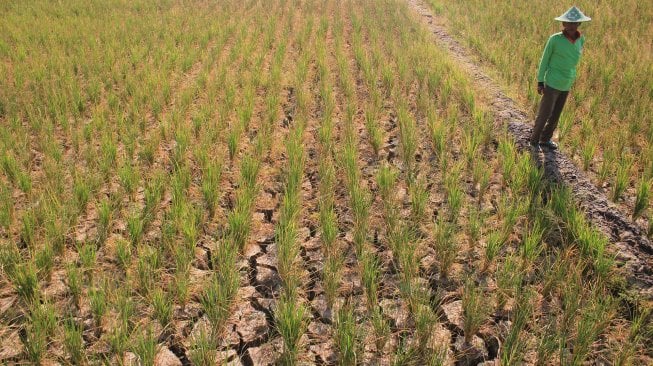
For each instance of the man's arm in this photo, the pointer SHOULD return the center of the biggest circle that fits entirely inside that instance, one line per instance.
(544, 65)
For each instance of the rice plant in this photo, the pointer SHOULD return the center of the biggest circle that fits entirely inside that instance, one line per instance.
(44, 260)
(290, 320)
(286, 237)
(381, 329)
(147, 269)
(425, 321)
(15, 173)
(123, 254)
(591, 324)
(332, 277)
(73, 340)
(495, 241)
(370, 272)
(405, 245)
(203, 351)
(25, 281)
(439, 135)
(118, 339)
(638, 334)
(153, 192)
(386, 179)
(454, 193)
(35, 344)
(475, 310)
(509, 280)
(181, 285)
(533, 244)
(135, 227)
(515, 346)
(476, 224)
(360, 202)
(43, 318)
(347, 336)
(87, 259)
(621, 179)
(587, 154)
(210, 186)
(547, 344)
(374, 132)
(641, 198)
(419, 195)
(128, 175)
(98, 303)
(445, 245)
(481, 174)
(232, 142)
(408, 140)
(10, 259)
(328, 227)
(219, 292)
(105, 213)
(145, 346)
(28, 227)
(162, 306)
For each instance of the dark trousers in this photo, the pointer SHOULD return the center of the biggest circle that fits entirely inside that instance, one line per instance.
(548, 114)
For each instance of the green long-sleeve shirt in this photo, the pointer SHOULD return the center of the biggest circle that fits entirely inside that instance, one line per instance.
(558, 64)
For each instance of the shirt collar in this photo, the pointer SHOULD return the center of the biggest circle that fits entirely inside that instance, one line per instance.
(572, 37)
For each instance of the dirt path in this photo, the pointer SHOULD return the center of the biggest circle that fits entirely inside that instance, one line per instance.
(634, 251)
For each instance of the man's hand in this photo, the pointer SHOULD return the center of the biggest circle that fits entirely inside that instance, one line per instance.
(540, 88)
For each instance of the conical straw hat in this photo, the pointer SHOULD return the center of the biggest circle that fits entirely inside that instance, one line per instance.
(573, 15)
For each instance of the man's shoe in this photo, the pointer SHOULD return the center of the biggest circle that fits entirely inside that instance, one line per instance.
(549, 144)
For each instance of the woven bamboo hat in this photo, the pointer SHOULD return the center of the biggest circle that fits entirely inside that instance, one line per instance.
(573, 15)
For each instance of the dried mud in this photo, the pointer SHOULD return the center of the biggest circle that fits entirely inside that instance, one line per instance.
(631, 246)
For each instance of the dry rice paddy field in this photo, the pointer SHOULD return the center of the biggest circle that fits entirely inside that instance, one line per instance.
(294, 182)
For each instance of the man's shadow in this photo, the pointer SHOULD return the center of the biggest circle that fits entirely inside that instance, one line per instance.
(544, 158)
(547, 161)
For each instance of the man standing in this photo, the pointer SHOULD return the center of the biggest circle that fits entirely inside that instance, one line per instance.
(556, 75)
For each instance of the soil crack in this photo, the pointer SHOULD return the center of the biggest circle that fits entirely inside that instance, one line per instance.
(178, 350)
(243, 347)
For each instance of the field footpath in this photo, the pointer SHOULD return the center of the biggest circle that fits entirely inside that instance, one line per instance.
(632, 248)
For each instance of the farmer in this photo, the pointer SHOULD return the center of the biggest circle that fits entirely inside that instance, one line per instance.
(556, 74)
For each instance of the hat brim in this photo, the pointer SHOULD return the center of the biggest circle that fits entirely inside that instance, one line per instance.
(565, 19)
